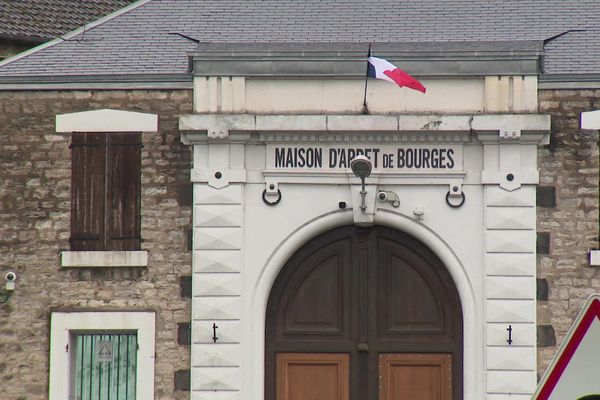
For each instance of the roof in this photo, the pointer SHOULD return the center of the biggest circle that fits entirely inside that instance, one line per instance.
(156, 36)
(42, 20)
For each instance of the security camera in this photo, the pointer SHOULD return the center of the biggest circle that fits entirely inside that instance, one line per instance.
(390, 197)
(10, 278)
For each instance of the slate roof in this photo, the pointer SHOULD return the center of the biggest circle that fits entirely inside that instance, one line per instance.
(42, 20)
(154, 36)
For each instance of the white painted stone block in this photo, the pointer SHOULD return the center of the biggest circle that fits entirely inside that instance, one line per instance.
(217, 238)
(104, 258)
(511, 358)
(510, 287)
(227, 331)
(510, 311)
(522, 197)
(508, 397)
(107, 120)
(216, 378)
(216, 308)
(222, 215)
(513, 382)
(216, 355)
(361, 123)
(217, 261)
(522, 334)
(510, 264)
(510, 241)
(217, 284)
(284, 123)
(212, 395)
(510, 217)
(518, 122)
(590, 119)
(594, 258)
(204, 194)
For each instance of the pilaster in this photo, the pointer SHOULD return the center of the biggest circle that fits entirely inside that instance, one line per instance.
(510, 175)
(217, 271)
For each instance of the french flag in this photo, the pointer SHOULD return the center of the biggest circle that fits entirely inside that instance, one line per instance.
(383, 69)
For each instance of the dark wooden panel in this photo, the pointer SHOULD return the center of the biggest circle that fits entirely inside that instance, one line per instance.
(123, 191)
(407, 302)
(316, 376)
(415, 376)
(315, 294)
(87, 191)
(317, 305)
(416, 295)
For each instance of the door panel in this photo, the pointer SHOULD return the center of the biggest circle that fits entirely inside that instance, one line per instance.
(363, 293)
(313, 376)
(317, 304)
(415, 376)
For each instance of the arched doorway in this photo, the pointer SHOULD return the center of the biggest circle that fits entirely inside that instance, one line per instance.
(363, 314)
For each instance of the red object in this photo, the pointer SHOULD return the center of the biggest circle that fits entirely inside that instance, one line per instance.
(404, 79)
(591, 313)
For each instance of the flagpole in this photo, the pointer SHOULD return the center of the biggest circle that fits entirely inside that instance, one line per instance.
(365, 108)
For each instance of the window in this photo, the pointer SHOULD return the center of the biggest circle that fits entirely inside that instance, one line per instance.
(105, 191)
(97, 355)
(104, 365)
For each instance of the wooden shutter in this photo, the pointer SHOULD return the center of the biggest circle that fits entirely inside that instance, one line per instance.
(123, 163)
(87, 191)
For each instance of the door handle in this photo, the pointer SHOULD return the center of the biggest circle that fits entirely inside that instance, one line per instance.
(363, 348)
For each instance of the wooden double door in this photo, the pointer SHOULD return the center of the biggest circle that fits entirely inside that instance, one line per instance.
(363, 314)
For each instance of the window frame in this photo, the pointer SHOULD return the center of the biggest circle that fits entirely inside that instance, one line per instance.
(64, 323)
(106, 121)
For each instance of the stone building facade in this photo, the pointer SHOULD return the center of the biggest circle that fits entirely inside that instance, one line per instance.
(243, 190)
(567, 216)
(35, 186)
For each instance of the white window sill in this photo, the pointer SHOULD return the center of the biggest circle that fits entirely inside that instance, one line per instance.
(594, 258)
(104, 258)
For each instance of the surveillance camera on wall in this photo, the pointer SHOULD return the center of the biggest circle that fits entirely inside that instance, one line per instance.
(10, 278)
(390, 197)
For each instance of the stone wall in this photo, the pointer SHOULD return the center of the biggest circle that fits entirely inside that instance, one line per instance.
(34, 228)
(567, 217)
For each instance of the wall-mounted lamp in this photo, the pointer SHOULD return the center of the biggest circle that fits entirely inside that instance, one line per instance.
(361, 167)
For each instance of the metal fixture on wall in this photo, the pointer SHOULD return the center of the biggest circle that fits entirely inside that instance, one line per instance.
(390, 197)
(215, 338)
(454, 193)
(361, 167)
(9, 287)
(270, 190)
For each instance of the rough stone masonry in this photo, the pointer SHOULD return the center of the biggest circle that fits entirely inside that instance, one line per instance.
(567, 217)
(35, 222)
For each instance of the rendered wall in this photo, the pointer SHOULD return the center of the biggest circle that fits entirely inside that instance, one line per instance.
(447, 96)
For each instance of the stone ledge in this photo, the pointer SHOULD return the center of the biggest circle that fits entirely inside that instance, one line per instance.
(104, 258)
